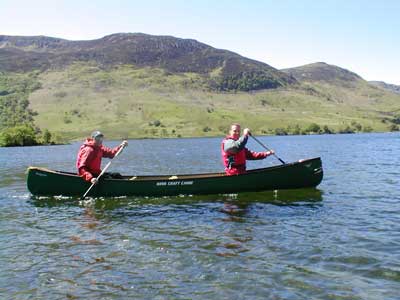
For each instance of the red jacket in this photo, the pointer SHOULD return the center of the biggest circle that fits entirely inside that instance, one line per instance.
(235, 163)
(89, 157)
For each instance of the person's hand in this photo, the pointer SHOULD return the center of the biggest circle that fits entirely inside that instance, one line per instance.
(124, 144)
(270, 152)
(246, 131)
(94, 180)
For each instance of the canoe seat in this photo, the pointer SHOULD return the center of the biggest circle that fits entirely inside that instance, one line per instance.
(173, 177)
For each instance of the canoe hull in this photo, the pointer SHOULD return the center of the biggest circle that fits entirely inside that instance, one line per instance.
(304, 174)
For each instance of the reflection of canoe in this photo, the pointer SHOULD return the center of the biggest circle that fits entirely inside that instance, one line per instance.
(302, 174)
(301, 197)
(297, 197)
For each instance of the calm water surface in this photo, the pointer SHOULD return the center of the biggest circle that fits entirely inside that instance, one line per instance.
(341, 241)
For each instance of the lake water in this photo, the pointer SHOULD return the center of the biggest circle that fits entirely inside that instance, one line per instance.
(341, 241)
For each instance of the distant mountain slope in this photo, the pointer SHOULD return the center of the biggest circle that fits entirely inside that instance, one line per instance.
(386, 86)
(321, 71)
(222, 69)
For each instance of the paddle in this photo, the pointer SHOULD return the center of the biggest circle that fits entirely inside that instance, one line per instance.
(267, 148)
(103, 171)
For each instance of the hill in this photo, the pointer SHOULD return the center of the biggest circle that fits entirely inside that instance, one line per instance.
(137, 85)
(386, 86)
(321, 71)
(221, 69)
(343, 87)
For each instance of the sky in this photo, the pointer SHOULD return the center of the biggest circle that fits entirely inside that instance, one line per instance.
(362, 36)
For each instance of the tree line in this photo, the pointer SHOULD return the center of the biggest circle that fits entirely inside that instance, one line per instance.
(17, 127)
(315, 128)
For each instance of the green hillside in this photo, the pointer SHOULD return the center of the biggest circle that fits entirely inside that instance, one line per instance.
(135, 85)
(148, 102)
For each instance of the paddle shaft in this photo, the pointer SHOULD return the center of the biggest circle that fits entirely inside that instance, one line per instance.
(102, 172)
(265, 147)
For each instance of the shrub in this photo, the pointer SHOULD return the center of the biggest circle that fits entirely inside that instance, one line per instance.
(155, 123)
(296, 130)
(347, 129)
(21, 135)
(75, 112)
(280, 131)
(357, 126)
(46, 137)
(396, 120)
(313, 127)
(327, 130)
(67, 119)
(367, 129)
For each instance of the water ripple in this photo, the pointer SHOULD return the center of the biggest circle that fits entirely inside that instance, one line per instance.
(340, 241)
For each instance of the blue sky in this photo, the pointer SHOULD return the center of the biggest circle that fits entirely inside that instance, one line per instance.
(361, 36)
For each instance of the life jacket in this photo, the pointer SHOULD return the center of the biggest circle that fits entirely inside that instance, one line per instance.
(235, 163)
(89, 157)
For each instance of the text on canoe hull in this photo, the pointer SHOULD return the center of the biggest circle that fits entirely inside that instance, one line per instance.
(173, 183)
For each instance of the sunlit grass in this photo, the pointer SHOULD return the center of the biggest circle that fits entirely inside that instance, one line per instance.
(130, 102)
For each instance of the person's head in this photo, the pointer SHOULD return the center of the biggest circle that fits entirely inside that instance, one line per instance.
(98, 137)
(235, 130)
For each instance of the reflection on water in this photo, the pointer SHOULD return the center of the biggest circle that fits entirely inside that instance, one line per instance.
(281, 197)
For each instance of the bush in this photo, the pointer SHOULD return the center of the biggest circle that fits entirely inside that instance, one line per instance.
(280, 131)
(347, 129)
(22, 135)
(46, 137)
(67, 119)
(315, 128)
(357, 126)
(75, 112)
(155, 123)
(327, 130)
(296, 130)
(396, 120)
(367, 129)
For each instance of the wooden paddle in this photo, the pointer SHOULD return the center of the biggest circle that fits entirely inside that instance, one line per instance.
(103, 171)
(265, 147)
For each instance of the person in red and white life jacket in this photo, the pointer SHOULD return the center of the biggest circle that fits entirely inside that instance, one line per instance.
(88, 161)
(234, 152)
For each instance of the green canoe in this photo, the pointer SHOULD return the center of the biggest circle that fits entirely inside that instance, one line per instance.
(301, 174)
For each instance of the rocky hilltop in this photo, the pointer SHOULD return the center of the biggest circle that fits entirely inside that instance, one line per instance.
(224, 70)
(322, 71)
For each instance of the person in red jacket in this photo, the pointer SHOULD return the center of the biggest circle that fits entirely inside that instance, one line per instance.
(88, 161)
(234, 152)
